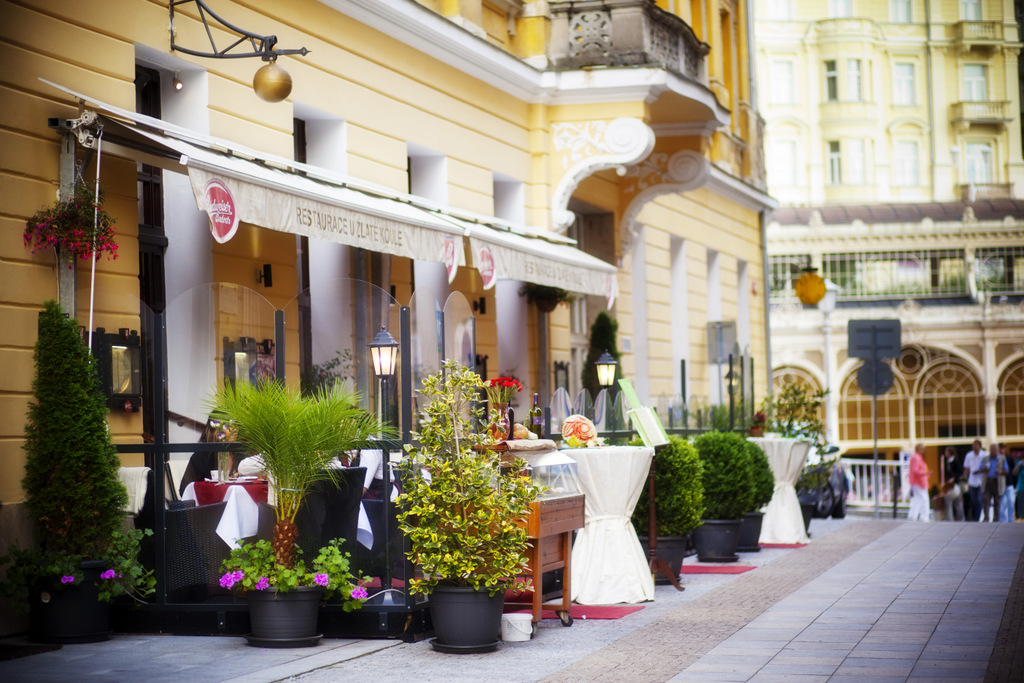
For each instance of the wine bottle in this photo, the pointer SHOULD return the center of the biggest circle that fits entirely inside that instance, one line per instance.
(536, 418)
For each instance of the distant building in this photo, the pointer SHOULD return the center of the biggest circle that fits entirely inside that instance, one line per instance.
(893, 137)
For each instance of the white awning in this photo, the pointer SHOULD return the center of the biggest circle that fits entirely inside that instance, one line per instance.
(288, 196)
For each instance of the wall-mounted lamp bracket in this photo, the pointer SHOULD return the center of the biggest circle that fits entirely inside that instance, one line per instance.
(262, 46)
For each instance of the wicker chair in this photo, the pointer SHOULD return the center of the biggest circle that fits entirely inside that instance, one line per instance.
(194, 552)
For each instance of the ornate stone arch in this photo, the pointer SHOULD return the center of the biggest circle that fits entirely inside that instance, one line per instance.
(656, 175)
(856, 421)
(949, 400)
(587, 147)
(1010, 400)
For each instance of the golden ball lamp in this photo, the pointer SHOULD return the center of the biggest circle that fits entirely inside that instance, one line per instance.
(272, 83)
(810, 288)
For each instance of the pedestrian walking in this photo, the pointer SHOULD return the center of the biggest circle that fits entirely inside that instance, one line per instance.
(994, 469)
(920, 510)
(975, 477)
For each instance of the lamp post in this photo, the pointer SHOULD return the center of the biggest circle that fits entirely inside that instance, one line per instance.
(826, 305)
(384, 356)
(606, 366)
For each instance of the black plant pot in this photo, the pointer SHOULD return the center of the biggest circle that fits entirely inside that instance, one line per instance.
(672, 550)
(808, 512)
(70, 614)
(284, 619)
(716, 540)
(750, 533)
(466, 621)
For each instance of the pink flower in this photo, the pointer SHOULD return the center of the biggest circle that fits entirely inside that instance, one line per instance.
(109, 574)
(359, 593)
(67, 579)
(321, 579)
(578, 428)
(263, 584)
(230, 579)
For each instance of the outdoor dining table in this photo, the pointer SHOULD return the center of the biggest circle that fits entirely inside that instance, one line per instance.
(241, 512)
(783, 521)
(608, 563)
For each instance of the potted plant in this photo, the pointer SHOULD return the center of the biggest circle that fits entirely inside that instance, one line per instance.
(763, 481)
(463, 511)
(728, 494)
(546, 298)
(678, 499)
(78, 225)
(297, 437)
(82, 558)
(757, 423)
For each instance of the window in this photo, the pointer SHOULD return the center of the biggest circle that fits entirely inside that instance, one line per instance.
(970, 10)
(899, 11)
(834, 163)
(783, 163)
(975, 81)
(903, 86)
(782, 85)
(1000, 269)
(780, 9)
(978, 162)
(831, 81)
(855, 162)
(853, 87)
(839, 8)
(904, 164)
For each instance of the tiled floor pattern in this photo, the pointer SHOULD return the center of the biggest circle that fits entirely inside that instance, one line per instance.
(923, 602)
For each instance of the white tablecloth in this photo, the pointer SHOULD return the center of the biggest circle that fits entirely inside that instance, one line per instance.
(608, 562)
(783, 522)
(241, 517)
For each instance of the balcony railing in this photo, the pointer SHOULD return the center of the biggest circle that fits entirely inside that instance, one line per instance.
(978, 33)
(624, 33)
(970, 192)
(965, 114)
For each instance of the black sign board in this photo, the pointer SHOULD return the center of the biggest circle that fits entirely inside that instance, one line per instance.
(874, 339)
(874, 378)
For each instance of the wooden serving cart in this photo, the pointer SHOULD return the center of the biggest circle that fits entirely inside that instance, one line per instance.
(549, 529)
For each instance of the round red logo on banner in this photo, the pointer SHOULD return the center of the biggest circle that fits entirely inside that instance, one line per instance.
(449, 258)
(485, 264)
(220, 207)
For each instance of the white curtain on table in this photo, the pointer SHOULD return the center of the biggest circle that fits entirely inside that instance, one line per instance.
(608, 563)
(783, 521)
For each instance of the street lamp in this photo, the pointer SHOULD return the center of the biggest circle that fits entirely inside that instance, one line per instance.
(826, 305)
(384, 356)
(606, 365)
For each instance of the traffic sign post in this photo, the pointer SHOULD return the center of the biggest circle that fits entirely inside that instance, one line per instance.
(874, 340)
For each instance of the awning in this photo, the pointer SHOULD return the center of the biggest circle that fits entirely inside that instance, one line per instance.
(232, 183)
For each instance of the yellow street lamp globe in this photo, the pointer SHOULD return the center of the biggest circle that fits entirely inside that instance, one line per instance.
(810, 288)
(272, 83)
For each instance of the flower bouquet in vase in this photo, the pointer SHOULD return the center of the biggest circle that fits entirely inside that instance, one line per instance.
(500, 392)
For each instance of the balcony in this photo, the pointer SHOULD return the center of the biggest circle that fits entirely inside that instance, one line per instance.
(587, 33)
(970, 192)
(983, 34)
(963, 115)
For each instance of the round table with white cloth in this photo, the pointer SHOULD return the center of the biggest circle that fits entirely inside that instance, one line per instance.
(783, 521)
(608, 563)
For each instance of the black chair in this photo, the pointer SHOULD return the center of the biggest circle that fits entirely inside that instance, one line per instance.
(194, 552)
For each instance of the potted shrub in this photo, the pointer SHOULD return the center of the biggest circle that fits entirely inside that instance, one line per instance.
(678, 499)
(763, 480)
(82, 558)
(297, 437)
(728, 494)
(463, 512)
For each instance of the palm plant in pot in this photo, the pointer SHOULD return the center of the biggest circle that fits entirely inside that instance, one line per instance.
(678, 500)
(763, 481)
(463, 511)
(82, 558)
(297, 438)
(728, 494)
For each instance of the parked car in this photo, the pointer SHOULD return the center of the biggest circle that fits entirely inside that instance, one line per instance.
(828, 476)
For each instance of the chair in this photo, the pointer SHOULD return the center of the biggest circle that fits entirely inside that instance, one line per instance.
(194, 552)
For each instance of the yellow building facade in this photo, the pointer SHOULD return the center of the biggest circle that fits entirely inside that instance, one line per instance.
(428, 149)
(894, 134)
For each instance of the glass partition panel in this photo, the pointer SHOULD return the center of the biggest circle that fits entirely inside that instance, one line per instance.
(427, 322)
(560, 408)
(459, 330)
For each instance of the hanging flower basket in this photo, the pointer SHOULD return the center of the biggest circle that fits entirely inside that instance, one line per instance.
(544, 297)
(69, 225)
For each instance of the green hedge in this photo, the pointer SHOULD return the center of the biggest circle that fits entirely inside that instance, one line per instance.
(727, 477)
(678, 491)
